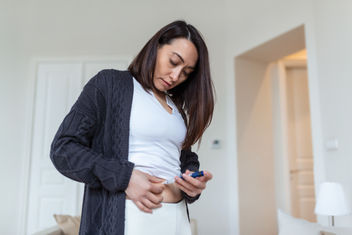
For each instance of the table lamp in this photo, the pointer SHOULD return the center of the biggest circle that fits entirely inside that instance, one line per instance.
(331, 201)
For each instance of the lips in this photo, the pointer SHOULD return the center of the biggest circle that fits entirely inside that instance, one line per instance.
(166, 83)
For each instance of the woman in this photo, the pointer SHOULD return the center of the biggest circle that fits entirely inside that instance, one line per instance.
(129, 135)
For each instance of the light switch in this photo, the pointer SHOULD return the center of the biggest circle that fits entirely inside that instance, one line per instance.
(332, 144)
(215, 144)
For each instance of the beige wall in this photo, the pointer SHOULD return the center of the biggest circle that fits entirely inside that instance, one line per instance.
(255, 148)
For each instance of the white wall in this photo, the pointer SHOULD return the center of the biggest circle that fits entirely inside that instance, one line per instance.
(82, 28)
(76, 28)
(12, 120)
(334, 50)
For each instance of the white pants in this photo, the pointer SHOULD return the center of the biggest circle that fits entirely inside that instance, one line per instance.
(169, 219)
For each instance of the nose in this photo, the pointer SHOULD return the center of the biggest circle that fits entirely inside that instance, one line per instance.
(175, 74)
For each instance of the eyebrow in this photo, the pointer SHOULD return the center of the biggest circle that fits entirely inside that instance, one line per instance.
(182, 59)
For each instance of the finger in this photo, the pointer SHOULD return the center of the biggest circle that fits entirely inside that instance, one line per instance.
(157, 188)
(149, 204)
(155, 198)
(194, 181)
(208, 175)
(187, 191)
(142, 207)
(155, 179)
(204, 178)
(185, 184)
(181, 187)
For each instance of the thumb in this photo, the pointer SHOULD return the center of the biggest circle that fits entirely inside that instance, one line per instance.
(208, 174)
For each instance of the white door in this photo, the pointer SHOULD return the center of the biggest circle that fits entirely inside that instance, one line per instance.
(58, 85)
(49, 192)
(294, 179)
(300, 144)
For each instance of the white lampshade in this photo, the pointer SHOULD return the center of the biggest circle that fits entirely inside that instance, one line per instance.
(331, 200)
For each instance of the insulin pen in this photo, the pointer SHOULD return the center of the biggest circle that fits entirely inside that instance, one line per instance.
(195, 174)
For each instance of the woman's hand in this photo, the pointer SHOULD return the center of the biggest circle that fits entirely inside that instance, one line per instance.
(145, 190)
(192, 186)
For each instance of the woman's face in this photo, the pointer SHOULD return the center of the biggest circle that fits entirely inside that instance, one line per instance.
(174, 62)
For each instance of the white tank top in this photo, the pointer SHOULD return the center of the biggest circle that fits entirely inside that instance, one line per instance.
(156, 136)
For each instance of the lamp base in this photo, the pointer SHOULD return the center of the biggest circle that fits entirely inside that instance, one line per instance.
(332, 219)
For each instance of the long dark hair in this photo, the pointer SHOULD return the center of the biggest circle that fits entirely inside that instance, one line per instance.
(194, 97)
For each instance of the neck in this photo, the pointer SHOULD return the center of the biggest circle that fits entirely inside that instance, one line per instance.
(160, 94)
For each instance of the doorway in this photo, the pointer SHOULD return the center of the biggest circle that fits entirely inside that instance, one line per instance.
(274, 140)
(299, 153)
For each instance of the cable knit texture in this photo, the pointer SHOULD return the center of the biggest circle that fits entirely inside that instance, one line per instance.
(91, 146)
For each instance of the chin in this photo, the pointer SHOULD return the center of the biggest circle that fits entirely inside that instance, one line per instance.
(159, 86)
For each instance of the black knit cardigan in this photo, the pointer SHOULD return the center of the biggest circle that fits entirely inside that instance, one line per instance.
(91, 146)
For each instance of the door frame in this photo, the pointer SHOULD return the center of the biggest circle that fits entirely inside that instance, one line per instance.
(269, 51)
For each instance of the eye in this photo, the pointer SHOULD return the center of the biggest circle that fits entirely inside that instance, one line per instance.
(173, 63)
(185, 73)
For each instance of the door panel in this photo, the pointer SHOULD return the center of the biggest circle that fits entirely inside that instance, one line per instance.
(56, 89)
(300, 145)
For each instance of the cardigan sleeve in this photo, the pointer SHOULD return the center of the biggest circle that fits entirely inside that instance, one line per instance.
(189, 160)
(71, 151)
